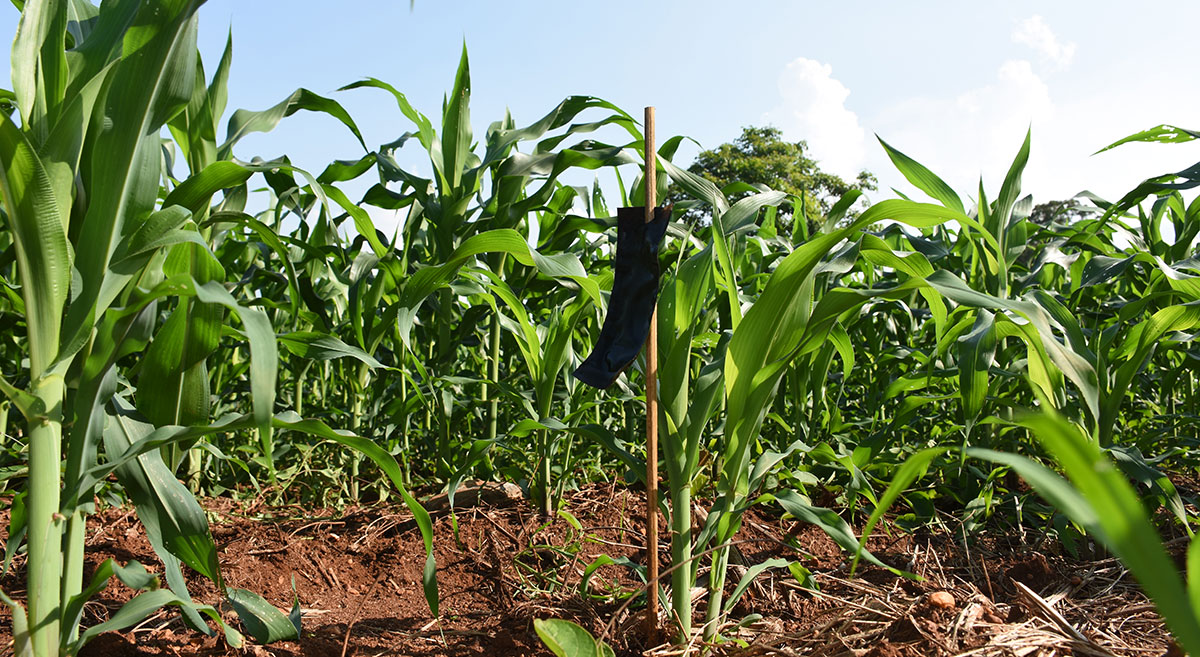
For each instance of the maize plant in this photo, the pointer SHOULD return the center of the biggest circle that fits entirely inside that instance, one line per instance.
(163, 300)
(97, 254)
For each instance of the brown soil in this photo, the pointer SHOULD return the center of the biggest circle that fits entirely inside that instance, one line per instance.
(358, 575)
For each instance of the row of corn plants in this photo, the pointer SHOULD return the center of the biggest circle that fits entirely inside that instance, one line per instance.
(173, 313)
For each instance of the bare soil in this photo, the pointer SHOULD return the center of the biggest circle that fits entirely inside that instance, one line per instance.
(357, 575)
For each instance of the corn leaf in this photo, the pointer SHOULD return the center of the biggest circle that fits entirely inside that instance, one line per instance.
(566, 639)
(262, 620)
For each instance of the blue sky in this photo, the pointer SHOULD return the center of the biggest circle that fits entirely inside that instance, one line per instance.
(953, 84)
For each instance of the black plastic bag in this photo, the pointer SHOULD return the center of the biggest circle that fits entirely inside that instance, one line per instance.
(634, 293)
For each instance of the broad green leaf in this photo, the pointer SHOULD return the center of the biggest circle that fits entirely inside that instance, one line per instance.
(1161, 134)
(1120, 521)
(387, 463)
(173, 387)
(1010, 191)
(424, 125)
(832, 524)
(976, 350)
(922, 178)
(17, 527)
(174, 521)
(197, 190)
(149, 86)
(133, 575)
(428, 280)
(39, 71)
(262, 620)
(697, 186)
(751, 574)
(39, 235)
(566, 639)
(743, 213)
(32, 408)
(598, 563)
(151, 441)
(141, 607)
(456, 127)
(1134, 351)
(244, 122)
(1193, 573)
(322, 346)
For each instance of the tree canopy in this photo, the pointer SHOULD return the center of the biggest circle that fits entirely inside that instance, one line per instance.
(760, 156)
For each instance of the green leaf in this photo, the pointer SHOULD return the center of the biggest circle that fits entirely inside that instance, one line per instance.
(262, 620)
(566, 639)
(751, 573)
(44, 258)
(17, 527)
(456, 127)
(31, 406)
(150, 85)
(697, 187)
(263, 351)
(133, 575)
(244, 122)
(322, 346)
(424, 125)
(141, 607)
(197, 191)
(976, 350)
(1160, 134)
(164, 228)
(1102, 500)
(833, 525)
(387, 463)
(743, 213)
(173, 386)
(504, 240)
(174, 521)
(151, 441)
(598, 563)
(22, 645)
(922, 178)
(39, 72)
(912, 468)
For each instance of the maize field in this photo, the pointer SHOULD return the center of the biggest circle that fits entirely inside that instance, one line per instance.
(239, 416)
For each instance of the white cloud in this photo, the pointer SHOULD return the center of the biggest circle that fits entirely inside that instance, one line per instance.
(814, 109)
(1035, 33)
(974, 133)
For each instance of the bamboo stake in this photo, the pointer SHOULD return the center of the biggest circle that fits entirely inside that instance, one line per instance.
(651, 406)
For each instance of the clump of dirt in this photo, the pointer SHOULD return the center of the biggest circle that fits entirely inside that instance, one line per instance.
(357, 575)
(1034, 570)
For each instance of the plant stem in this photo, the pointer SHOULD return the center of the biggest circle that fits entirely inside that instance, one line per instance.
(45, 523)
(266, 441)
(73, 559)
(543, 441)
(356, 427)
(681, 553)
(493, 375)
(298, 390)
(195, 462)
(716, 592)
(405, 454)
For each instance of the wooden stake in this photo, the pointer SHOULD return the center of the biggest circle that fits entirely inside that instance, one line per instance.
(650, 179)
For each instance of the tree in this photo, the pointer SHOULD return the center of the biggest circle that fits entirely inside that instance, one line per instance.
(1066, 212)
(760, 156)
